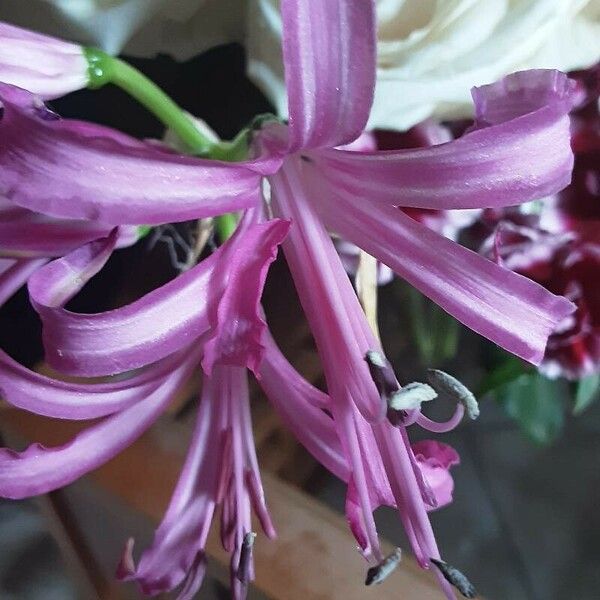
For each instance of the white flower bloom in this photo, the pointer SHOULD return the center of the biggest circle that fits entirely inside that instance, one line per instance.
(181, 28)
(430, 53)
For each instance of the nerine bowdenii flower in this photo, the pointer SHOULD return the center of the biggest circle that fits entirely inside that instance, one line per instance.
(518, 150)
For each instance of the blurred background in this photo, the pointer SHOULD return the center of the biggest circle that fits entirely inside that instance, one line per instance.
(524, 522)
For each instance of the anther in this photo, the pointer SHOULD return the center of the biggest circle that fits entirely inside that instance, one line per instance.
(446, 384)
(382, 374)
(411, 396)
(243, 570)
(453, 576)
(379, 573)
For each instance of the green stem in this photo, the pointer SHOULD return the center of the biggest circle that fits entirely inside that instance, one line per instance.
(106, 69)
(225, 226)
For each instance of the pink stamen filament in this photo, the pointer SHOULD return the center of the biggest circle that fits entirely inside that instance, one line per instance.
(442, 427)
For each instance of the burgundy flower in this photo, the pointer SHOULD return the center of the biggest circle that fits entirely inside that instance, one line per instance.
(577, 207)
(564, 264)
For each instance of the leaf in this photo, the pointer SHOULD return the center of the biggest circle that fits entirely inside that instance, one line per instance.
(508, 370)
(588, 390)
(536, 404)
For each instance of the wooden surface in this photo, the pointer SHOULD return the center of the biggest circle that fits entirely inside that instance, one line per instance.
(314, 557)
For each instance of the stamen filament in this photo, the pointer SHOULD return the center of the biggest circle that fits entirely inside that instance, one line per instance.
(444, 426)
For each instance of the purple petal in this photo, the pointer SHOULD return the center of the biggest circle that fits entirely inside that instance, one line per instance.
(220, 453)
(434, 460)
(15, 273)
(181, 536)
(38, 470)
(524, 153)
(55, 284)
(329, 57)
(442, 454)
(326, 295)
(161, 322)
(237, 326)
(64, 169)
(508, 309)
(50, 397)
(41, 64)
(383, 468)
(24, 233)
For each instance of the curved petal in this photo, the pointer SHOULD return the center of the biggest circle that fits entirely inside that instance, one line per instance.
(163, 321)
(521, 151)
(66, 169)
(24, 233)
(329, 57)
(42, 64)
(38, 470)
(15, 273)
(431, 450)
(181, 536)
(237, 326)
(508, 309)
(50, 397)
(434, 460)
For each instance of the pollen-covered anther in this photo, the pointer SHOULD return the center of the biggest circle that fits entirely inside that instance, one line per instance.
(382, 373)
(443, 383)
(243, 571)
(379, 573)
(411, 396)
(455, 578)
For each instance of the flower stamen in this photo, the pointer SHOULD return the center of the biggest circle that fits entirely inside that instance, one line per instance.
(452, 387)
(455, 578)
(410, 396)
(243, 571)
(380, 572)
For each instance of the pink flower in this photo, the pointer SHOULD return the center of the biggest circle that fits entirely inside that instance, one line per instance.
(518, 150)
(210, 314)
(558, 245)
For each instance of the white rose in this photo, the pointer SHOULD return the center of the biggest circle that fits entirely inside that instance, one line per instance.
(430, 53)
(181, 28)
